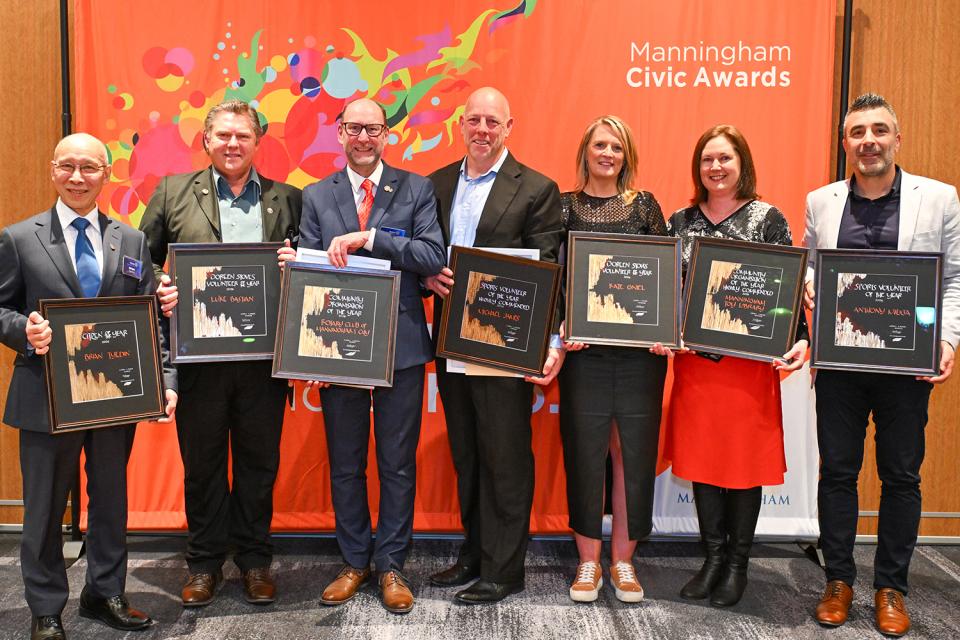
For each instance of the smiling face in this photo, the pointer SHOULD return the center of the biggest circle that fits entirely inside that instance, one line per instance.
(871, 139)
(363, 151)
(719, 167)
(79, 171)
(604, 155)
(485, 125)
(231, 143)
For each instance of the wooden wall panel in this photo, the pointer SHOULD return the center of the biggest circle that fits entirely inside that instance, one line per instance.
(30, 127)
(904, 49)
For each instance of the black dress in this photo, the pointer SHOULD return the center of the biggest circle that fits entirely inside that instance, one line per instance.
(602, 385)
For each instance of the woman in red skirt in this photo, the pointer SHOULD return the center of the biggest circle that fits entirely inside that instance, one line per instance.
(725, 428)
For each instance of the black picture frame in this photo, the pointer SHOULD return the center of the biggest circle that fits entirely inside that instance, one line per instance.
(244, 287)
(103, 367)
(894, 297)
(623, 289)
(361, 324)
(743, 299)
(508, 326)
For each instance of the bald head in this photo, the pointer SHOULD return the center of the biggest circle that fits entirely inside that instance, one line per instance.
(83, 143)
(485, 124)
(79, 170)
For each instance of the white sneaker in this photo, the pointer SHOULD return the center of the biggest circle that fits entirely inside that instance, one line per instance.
(586, 587)
(625, 582)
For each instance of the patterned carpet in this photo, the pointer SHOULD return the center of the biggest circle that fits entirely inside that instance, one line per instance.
(783, 590)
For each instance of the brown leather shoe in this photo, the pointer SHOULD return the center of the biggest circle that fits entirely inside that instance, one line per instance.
(345, 585)
(397, 597)
(834, 605)
(891, 613)
(200, 588)
(258, 586)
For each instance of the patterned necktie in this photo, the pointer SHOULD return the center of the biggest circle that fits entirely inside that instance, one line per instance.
(87, 269)
(366, 205)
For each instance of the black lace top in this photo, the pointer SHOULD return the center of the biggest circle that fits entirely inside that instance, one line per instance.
(582, 212)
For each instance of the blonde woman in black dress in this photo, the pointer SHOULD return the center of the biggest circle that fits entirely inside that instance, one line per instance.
(610, 397)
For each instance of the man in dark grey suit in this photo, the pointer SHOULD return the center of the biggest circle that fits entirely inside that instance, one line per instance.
(70, 251)
(226, 406)
(490, 200)
(375, 210)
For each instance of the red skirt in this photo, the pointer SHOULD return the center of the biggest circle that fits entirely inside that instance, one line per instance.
(725, 424)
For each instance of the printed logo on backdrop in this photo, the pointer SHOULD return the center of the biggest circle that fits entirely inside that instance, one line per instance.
(704, 65)
(154, 110)
(769, 499)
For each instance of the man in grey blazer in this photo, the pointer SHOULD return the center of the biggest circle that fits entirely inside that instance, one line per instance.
(39, 259)
(488, 199)
(234, 407)
(373, 209)
(879, 207)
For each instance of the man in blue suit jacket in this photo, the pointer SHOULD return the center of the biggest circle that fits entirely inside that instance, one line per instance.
(373, 209)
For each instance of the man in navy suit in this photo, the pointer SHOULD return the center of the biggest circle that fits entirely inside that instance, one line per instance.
(72, 250)
(375, 210)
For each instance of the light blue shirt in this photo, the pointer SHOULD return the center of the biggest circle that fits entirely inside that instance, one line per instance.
(468, 202)
(240, 217)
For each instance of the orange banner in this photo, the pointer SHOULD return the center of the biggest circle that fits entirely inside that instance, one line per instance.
(670, 69)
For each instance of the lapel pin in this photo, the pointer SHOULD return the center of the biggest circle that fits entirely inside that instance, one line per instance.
(269, 209)
(113, 247)
(205, 192)
(387, 188)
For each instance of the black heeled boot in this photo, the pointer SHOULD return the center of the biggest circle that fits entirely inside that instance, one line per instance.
(710, 508)
(742, 508)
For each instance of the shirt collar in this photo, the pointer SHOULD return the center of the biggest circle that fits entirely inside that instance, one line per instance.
(68, 215)
(894, 188)
(495, 169)
(356, 179)
(223, 189)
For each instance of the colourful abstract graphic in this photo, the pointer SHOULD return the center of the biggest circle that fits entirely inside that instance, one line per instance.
(298, 85)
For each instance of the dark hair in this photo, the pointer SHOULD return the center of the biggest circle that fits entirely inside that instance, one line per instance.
(238, 107)
(869, 101)
(747, 184)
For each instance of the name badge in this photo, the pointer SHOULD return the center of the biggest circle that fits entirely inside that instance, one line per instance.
(132, 267)
(397, 233)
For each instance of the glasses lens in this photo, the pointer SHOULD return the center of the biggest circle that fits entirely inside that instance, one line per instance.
(90, 169)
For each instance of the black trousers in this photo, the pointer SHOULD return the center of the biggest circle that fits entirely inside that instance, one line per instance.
(49, 464)
(488, 425)
(396, 420)
(233, 407)
(899, 406)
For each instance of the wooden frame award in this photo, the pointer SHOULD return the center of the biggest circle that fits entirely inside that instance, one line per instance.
(878, 311)
(743, 298)
(229, 297)
(623, 289)
(103, 366)
(499, 311)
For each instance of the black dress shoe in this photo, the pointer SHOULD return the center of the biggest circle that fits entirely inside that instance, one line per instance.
(458, 575)
(114, 612)
(484, 591)
(47, 628)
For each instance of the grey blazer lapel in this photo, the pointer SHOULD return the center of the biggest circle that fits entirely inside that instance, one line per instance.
(51, 238)
(346, 205)
(206, 193)
(110, 232)
(389, 183)
(505, 187)
(911, 198)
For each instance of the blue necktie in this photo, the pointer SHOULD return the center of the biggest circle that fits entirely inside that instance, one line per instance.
(87, 269)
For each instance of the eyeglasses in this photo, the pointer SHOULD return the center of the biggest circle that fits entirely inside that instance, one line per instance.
(68, 168)
(354, 128)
